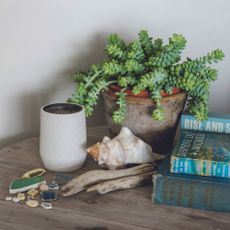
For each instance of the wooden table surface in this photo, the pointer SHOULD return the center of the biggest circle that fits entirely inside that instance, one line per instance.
(126, 209)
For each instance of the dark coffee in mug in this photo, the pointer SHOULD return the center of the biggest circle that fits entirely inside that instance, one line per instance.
(62, 108)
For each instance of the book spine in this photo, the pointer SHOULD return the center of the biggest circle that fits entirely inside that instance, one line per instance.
(191, 193)
(213, 124)
(200, 167)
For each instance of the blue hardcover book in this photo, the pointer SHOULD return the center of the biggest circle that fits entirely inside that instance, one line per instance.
(209, 193)
(202, 153)
(218, 123)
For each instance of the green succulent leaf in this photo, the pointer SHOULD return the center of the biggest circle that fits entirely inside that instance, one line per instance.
(114, 51)
(151, 81)
(148, 64)
(132, 66)
(93, 95)
(146, 42)
(170, 53)
(158, 114)
(125, 81)
(157, 46)
(119, 114)
(135, 51)
(112, 68)
(114, 39)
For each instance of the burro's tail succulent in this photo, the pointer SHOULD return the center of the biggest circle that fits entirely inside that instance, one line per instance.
(148, 64)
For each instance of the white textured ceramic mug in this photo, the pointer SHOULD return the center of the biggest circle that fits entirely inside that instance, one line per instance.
(63, 137)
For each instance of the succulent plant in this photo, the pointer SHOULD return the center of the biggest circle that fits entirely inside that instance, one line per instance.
(148, 64)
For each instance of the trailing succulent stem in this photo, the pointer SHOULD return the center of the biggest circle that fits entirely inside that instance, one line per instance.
(119, 114)
(148, 64)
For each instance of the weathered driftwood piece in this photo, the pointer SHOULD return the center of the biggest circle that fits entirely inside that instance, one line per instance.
(125, 148)
(121, 183)
(93, 177)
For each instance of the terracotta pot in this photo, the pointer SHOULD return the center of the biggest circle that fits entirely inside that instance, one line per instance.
(143, 93)
(159, 134)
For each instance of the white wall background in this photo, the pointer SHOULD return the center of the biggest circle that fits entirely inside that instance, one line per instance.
(43, 42)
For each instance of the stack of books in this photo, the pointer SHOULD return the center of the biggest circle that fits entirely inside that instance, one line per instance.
(197, 172)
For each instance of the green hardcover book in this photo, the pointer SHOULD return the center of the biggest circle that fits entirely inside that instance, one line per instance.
(202, 153)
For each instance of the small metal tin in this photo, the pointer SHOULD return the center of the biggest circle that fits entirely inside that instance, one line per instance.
(54, 186)
(48, 195)
(47, 205)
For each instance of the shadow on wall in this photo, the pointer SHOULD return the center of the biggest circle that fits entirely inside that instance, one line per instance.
(91, 53)
(58, 87)
(94, 53)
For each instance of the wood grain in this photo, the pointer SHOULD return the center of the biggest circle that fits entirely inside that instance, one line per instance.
(128, 209)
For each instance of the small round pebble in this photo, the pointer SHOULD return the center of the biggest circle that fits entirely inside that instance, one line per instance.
(21, 196)
(15, 200)
(32, 203)
(43, 187)
(32, 192)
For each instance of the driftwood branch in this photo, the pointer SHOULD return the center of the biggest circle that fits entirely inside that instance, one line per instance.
(93, 177)
(121, 183)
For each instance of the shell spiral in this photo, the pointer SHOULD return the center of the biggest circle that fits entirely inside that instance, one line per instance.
(125, 148)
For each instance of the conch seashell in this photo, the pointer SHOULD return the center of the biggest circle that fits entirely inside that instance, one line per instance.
(125, 148)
